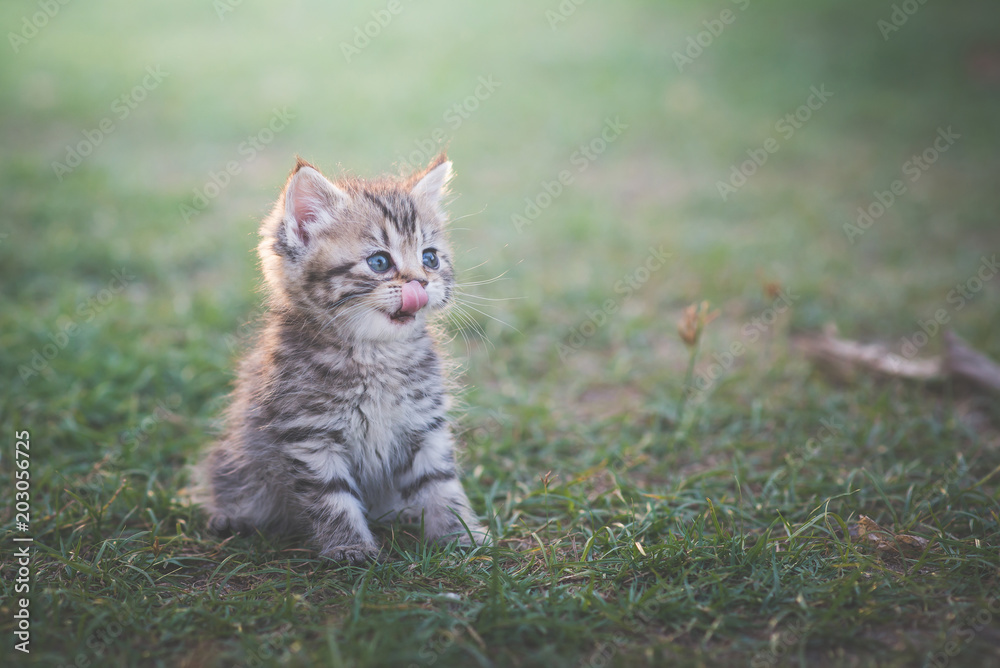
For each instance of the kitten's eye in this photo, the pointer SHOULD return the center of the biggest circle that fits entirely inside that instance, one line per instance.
(431, 259)
(380, 262)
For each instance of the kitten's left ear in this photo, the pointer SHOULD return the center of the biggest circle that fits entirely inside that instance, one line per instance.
(432, 186)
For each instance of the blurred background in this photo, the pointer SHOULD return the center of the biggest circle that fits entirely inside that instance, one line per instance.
(794, 164)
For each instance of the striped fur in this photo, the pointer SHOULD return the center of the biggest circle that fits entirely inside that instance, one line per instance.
(339, 414)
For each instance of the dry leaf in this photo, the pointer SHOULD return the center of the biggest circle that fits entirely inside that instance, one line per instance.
(868, 531)
(693, 321)
(913, 543)
(845, 358)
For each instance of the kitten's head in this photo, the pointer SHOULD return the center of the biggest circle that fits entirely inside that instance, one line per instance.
(366, 259)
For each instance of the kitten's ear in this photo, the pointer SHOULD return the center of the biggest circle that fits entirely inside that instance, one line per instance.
(431, 186)
(311, 202)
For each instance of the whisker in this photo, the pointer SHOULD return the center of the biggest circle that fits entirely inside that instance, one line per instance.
(489, 299)
(461, 329)
(464, 271)
(350, 313)
(344, 299)
(507, 324)
(483, 282)
(467, 322)
(455, 220)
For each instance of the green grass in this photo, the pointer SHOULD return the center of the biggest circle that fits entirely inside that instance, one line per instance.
(624, 538)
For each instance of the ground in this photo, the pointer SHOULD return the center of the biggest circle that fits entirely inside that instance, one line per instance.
(793, 164)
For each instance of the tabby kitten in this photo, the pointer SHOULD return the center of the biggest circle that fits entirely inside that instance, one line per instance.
(339, 412)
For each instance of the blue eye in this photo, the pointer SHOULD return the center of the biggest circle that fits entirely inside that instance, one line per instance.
(431, 259)
(380, 262)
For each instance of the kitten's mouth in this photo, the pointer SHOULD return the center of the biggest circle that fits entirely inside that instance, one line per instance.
(401, 318)
(413, 297)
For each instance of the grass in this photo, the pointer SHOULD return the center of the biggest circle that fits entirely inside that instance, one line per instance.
(625, 538)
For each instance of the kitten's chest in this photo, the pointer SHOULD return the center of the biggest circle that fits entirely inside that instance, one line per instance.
(379, 416)
(376, 417)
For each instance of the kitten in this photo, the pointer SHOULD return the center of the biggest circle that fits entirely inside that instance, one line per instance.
(339, 412)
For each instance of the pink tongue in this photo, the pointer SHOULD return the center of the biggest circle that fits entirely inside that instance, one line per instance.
(414, 297)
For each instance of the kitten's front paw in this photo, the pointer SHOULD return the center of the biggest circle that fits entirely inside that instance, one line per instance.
(475, 536)
(480, 536)
(222, 526)
(355, 555)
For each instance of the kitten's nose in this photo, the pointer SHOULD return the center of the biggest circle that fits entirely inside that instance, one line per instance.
(414, 297)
